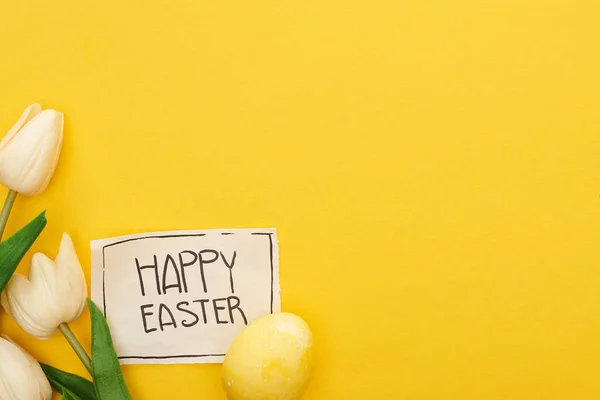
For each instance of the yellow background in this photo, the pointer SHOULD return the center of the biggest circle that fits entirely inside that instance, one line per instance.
(432, 167)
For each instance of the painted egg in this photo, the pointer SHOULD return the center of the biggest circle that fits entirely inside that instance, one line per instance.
(271, 359)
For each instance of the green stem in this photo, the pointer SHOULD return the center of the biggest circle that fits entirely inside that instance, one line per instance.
(8, 204)
(79, 350)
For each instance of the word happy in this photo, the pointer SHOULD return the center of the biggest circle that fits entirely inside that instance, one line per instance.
(170, 275)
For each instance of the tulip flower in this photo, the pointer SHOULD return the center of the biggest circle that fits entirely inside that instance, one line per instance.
(21, 377)
(52, 296)
(29, 153)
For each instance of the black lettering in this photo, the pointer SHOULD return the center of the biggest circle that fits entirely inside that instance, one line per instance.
(230, 267)
(204, 261)
(202, 303)
(184, 322)
(170, 261)
(184, 264)
(144, 315)
(161, 323)
(153, 266)
(235, 306)
(217, 309)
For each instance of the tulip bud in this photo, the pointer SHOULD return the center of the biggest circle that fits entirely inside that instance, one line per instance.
(29, 151)
(55, 292)
(21, 377)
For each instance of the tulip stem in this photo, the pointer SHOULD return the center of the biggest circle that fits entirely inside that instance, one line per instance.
(77, 347)
(8, 204)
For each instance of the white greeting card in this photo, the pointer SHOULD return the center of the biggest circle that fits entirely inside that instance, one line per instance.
(182, 297)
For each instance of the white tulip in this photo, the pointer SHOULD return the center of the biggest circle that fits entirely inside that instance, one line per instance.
(29, 151)
(55, 292)
(21, 377)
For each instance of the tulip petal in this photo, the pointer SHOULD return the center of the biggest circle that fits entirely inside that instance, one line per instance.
(58, 148)
(28, 160)
(21, 377)
(17, 383)
(28, 304)
(37, 372)
(71, 283)
(27, 116)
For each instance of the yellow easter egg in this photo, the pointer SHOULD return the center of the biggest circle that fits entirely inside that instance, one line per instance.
(271, 359)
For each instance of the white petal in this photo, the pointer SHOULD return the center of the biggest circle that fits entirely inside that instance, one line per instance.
(32, 302)
(27, 116)
(36, 370)
(18, 380)
(71, 286)
(28, 159)
(60, 125)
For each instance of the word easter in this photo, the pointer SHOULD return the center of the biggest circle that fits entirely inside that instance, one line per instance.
(171, 274)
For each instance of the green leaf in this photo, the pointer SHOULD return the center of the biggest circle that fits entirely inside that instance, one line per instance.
(69, 384)
(69, 396)
(14, 248)
(106, 369)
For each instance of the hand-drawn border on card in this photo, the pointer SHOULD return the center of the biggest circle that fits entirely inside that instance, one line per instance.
(271, 257)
